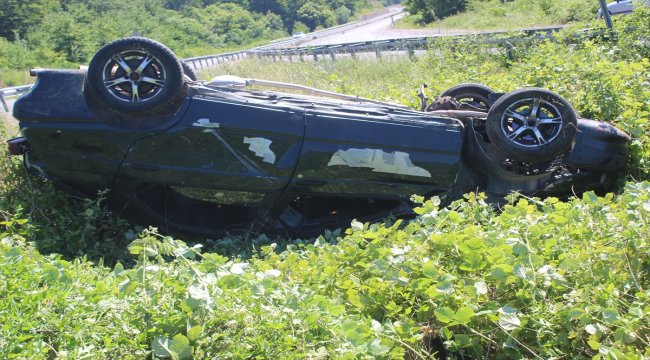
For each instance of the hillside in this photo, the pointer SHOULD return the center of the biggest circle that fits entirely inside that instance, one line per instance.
(53, 33)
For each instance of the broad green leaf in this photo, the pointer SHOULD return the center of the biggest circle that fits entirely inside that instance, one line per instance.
(520, 249)
(481, 288)
(118, 269)
(464, 315)
(446, 288)
(181, 346)
(591, 329)
(430, 269)
(509, 322)
(198, 292)
(462, 340)
(194, 333)
(576, 313)
(501, 271)
(378, 348)
(336, 310)
(521, 271)
(593, 342)
(445, 315)
(356, 225)
(610, 316)
(126, 287)
(161, 347)
(472, 261)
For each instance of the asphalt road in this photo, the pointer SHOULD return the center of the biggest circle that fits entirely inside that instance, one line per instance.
(379, 30)
(10, 104)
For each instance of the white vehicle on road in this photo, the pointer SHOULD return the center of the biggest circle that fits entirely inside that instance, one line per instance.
(620, 7)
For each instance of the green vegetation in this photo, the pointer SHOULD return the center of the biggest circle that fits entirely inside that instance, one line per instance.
(536, 279)
(506, 15)
(430, 10)
(65, 33)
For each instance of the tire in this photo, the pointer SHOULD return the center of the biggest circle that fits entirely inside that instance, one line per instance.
(522, 133)
(188, 71)
(473, 94)
(136, 75)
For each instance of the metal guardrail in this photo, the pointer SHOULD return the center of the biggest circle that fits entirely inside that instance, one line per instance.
(208, 61)
(401, 44)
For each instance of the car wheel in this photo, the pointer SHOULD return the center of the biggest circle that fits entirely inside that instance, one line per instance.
(136, 75)
(532, 125)
(470, 93)
(188, 71)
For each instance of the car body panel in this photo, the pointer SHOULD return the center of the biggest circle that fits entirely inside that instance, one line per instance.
(68, 141)
(378, 155)
(232, 145)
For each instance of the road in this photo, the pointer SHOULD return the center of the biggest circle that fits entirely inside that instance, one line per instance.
(379, 30)
(10, 104)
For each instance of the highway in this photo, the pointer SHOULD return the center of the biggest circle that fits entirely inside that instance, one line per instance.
(379, 30)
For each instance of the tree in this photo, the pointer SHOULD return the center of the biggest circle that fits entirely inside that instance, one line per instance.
(17, 17)
(342, 14)
(431, 10)
(314, 14)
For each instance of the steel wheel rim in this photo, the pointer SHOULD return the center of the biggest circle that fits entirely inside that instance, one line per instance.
(531, 122)
(134, 76)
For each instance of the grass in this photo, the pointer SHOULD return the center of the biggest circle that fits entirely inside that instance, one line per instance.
(10, 77)
(517, 14)
(8, 124)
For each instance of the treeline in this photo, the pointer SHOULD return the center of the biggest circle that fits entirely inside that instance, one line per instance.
(60, 32)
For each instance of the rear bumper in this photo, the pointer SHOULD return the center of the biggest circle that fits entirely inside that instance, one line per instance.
(17, 146)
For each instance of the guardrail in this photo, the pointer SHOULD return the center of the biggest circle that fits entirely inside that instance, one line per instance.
(208, 61)
(409, 45)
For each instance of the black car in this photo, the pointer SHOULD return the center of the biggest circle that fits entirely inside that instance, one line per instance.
(208, 156)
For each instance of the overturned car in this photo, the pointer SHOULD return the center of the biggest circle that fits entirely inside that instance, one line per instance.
(209, 157)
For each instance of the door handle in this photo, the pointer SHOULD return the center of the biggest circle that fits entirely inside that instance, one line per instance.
(311, 182)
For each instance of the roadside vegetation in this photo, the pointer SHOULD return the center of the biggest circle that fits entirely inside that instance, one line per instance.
(66, 33)
(536, 279)
(497, 14)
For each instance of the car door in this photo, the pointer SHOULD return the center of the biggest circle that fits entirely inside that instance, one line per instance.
(222, 143)
(378, 155)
